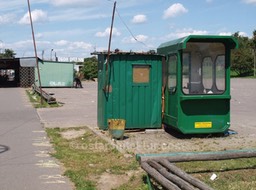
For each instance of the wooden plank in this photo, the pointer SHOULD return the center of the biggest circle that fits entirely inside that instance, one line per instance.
(158, 177)
(188, 178)
(201, 156)
(170, 176)
(45, 95)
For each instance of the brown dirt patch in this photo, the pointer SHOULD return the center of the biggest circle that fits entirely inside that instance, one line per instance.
(110, 181)
(72, 134)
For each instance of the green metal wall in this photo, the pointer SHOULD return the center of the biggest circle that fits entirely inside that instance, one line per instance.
(55, 74)
(138, 103)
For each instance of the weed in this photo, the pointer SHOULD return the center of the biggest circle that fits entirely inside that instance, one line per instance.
(87, 158)
(232, 174)
(35, 99)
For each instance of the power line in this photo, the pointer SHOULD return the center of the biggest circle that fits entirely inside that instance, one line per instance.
(133, 36)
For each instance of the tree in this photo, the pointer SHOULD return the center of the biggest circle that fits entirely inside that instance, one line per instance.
(242, 58)
(90, 68)
(254, 39)
(8, 53)
(254, 50)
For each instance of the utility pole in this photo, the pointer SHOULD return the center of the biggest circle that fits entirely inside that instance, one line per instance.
(109, 46)
(34, 43)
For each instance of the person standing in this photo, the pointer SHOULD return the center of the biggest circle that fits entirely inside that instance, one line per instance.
(78, 79)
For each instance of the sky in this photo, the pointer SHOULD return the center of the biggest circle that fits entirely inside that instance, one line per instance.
(73, 29)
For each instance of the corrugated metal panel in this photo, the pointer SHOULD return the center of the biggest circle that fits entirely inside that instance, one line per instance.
(138, 103)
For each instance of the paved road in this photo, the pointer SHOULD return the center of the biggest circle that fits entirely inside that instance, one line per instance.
(243, 105)
(79, 109)
(81, 106)
(24, 159)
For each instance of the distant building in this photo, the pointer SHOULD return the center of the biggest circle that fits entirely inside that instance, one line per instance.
(22, 72)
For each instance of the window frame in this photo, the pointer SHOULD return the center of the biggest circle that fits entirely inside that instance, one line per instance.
(172, 89)
(225, 74)
(214, 54)
(138, 65)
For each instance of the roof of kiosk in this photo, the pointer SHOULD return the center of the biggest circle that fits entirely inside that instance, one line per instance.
(181, 43)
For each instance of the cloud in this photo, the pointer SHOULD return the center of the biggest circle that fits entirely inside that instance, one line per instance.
(225, 33)
(185, 32)
(106, 33)
(137, 19)
(80, 45)
(209, 1)
(39, 35)
(61, 43)
(75, 3)
(244, 34)
(38, 16)
(63, 48)
(174, 10)
(250, 1)
(7, 18)
(138, 38)
(71, 15)
(77, 45)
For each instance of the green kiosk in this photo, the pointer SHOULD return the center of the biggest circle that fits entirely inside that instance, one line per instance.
(197, 83)
(129, 88)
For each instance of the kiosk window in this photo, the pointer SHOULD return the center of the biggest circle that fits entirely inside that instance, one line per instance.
(185, 72)
(172, 72)
(207, 73)
(141, 73)
(220, 73)
(203, 68)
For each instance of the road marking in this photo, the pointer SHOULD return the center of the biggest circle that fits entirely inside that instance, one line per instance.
(47, 164)
(42, 154)
(55, 182)
(45, 144)
(58, 176)
(38, 131)
(55, 179)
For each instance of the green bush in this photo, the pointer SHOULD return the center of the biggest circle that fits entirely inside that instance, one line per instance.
(242, 58)
(90, 68)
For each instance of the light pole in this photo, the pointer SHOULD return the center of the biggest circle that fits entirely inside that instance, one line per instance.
(51, 54)
(55, 55)
(1, 45)
(42, 54)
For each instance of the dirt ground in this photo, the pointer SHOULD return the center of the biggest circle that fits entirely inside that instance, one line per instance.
(80, 108)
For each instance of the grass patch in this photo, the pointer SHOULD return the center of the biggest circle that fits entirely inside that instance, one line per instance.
(233, 74)
(134, 183)
(232, 174)
(87, 157)
(35, 99)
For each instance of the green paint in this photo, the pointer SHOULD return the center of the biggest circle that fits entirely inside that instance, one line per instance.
(55, 74)
(196, 98)
(133, 97)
